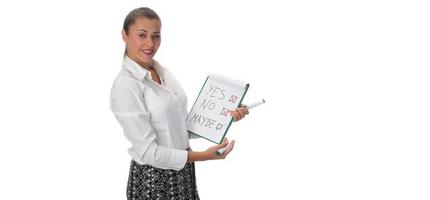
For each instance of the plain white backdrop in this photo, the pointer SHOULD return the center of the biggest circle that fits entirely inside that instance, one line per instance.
(346, 83)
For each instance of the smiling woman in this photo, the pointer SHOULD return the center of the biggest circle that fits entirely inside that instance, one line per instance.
(142, 35)
(151, 107)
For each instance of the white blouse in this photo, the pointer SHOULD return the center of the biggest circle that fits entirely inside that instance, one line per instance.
(153, 116)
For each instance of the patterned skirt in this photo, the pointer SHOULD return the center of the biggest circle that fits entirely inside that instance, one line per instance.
(148, 182)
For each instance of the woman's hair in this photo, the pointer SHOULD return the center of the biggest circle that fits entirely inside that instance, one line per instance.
(142, 12)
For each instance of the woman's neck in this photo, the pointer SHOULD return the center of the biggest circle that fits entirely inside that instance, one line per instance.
(147, 66)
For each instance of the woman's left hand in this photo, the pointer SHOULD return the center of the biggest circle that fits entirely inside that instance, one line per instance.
(239, 113)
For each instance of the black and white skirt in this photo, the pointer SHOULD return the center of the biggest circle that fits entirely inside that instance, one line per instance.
(148, 182)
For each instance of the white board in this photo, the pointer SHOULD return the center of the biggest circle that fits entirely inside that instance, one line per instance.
(210, 115)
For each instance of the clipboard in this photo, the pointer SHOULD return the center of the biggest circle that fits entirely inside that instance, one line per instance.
(210, 117)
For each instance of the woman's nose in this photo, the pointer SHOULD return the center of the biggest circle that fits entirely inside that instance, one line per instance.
(149, 42)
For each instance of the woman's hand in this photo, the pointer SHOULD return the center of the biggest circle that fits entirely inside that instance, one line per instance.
(210, 153)
(239, 113)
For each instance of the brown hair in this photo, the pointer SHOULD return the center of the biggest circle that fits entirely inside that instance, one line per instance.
(144, 12)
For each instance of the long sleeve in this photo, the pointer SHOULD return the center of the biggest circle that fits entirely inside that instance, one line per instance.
(127, 103)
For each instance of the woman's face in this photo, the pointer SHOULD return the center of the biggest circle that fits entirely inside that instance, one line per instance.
(143, 40)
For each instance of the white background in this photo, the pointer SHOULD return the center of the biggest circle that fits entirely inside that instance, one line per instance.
(346, 83)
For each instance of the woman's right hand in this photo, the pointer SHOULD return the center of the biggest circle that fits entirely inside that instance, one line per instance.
(212, 151)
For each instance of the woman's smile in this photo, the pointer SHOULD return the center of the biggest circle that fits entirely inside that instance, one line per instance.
(148, 52)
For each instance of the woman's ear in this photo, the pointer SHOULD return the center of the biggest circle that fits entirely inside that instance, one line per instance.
(124, 36)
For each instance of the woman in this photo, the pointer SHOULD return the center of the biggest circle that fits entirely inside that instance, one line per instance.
(151, 106)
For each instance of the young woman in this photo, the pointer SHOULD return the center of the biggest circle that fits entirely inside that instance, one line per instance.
(151, 107)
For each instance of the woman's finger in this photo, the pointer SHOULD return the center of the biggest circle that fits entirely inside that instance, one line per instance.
(245, 109)
(239, 113)
(234, 115)
(229, 149)
(242, 113)
(223, 144)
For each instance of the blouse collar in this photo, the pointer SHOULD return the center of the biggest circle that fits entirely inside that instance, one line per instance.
(138, 71)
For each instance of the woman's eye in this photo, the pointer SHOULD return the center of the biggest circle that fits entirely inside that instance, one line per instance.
(142, 35)
(156, 36)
